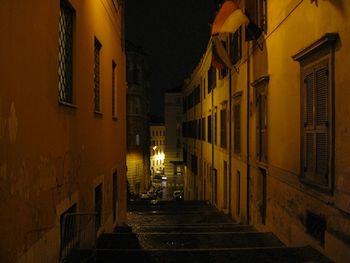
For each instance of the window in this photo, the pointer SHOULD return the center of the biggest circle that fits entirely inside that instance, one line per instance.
(209, 129)
(261, 118)
(223, 72)
(65, 53)
(115, 194)
(215, 126)
(316, 129)
(261, 16)
(317, 115)
(223, 128)
(236, 46)
(203, 129)
(211, 78)
(113, 89)
(137, 139)
(237, 125)
(97, 75)
(98, 205)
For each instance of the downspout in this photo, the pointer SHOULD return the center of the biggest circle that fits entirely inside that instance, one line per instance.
(229, 138)
(248, 129)
(212, 144)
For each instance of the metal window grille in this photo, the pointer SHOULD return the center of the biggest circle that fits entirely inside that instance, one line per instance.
(78, 233)
(115, 194)
(113, 89)
(97, 75)
(98, 205)
(65, 54)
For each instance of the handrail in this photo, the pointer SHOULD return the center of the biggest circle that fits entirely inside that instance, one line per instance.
(78, 232)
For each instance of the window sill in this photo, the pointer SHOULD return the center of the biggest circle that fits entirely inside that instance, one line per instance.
(67, 104)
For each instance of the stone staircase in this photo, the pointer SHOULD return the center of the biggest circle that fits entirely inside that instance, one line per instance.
(190, 231)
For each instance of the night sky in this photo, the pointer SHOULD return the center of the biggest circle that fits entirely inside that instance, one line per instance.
(174, 34)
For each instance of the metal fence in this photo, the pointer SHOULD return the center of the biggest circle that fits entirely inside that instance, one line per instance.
(78, 236)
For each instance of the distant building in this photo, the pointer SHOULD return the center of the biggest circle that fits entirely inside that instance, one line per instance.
(62, 126)
(157, 148)
(173, 114)
(138, 155)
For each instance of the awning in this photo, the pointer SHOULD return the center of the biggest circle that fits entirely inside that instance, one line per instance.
(228, 20)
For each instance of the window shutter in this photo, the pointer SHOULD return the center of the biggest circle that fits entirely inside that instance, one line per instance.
(309, 153)
(322, 144)
(237, 128)
(258, 140)
(316, 142)
(322, 96)
(309, 134)
(322, 157)
(310, 97)
(263, 128)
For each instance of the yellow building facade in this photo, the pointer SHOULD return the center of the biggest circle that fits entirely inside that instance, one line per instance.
(275, 152)
(62, 122)
(157, 148)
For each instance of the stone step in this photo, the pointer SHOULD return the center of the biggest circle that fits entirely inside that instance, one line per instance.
(241, 255)
(207, 240)
(178, 218)
(194, 228)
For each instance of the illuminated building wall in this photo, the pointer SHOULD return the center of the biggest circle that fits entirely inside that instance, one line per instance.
(157, 148)
(173, 131)
(284, 168)
(62, 132)
(138, 167)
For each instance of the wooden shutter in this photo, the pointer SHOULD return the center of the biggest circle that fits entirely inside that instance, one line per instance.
(316, 134)
(322, 144)
(309, 134)
(237, 128)
(261, 125)
(263, 128)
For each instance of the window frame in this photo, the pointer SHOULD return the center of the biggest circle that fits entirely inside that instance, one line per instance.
(66, 63)
(114, 91)
(223, 126)
(237, 123)
(97, 75)
(261, 90)
(310, 58)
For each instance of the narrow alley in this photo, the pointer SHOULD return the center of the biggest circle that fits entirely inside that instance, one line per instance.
(174, 131)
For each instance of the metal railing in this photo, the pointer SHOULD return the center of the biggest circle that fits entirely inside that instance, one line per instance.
(78, 236)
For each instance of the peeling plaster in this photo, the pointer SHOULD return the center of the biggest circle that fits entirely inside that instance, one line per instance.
(30, 177)
(13, 124)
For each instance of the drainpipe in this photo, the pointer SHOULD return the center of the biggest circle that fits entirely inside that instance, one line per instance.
(212, 143)
(229, 138)
(248, 140)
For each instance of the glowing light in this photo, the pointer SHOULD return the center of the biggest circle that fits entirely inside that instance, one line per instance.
(154, 147)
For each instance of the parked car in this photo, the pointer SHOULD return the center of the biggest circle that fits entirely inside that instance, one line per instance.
(144, 196)
(159, 192)
(178, 195)
(152, 194)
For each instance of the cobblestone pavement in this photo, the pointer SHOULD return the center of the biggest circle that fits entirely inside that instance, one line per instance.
(193, 231)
